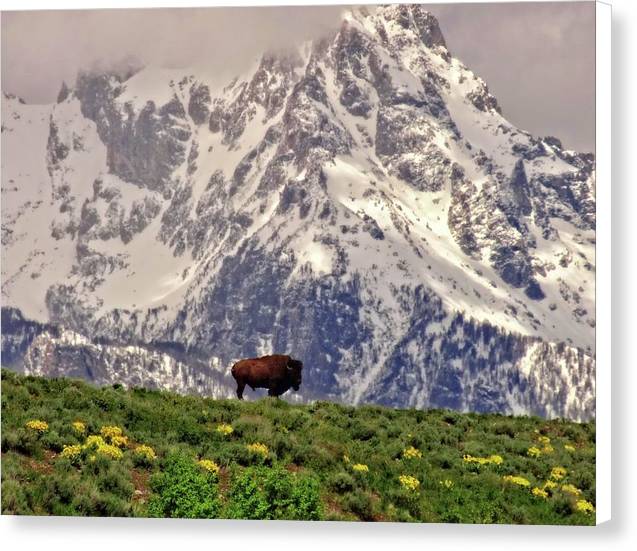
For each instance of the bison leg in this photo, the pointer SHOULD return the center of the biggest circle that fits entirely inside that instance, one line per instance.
(274, 390)
(240, 388)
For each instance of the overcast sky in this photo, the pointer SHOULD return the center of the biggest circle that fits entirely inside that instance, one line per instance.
(537, 58)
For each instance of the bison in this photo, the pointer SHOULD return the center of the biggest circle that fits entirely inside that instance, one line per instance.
(277, 373)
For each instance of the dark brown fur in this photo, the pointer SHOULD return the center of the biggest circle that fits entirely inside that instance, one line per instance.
(278, 373)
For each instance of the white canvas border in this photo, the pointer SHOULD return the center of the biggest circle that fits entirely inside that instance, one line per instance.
(603, 259)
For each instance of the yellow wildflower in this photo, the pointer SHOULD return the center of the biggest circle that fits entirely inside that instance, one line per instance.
(544, 440)
(519, 480)
(109, 431)
(534, 451)
(584, 506)
(359, 467)
(94, 441)
(119, 441)
(411, 453)
(112, 452)
(409, 482)
(145, 452)
(558, 473)
(448, 484)
(495, 459)
(571, 489)
(209, 465)
(71, 452)
(547, 448)
(79, 427)
(549, 484)
(569, 448)
(225, 429)
(258, 449)
(37, 425)
(346, 458)
(539, 492)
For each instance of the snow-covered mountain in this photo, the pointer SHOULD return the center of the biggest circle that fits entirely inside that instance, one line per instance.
(360, 203)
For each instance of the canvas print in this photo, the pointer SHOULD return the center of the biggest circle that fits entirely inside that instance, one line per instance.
(300, 263)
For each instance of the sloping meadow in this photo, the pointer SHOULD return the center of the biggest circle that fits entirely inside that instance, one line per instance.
(72, 449)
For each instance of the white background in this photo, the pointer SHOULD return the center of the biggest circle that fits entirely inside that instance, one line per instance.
(115, 534)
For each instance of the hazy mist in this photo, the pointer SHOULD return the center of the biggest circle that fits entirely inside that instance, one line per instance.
(537, 58)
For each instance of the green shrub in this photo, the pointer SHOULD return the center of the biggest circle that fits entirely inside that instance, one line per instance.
(444, 459)
(247, 500)
(109, 505)
(312, 457)
(361, 504)
(72, 397)
(183, 490)
(363, 431)
(263, 493)
(53, 441)
(14, 498)
(22, 441)
(115, 479)
(506, 427)
(341, 482)
(190, 433)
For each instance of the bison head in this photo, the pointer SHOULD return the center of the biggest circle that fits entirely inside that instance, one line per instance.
(294, 368)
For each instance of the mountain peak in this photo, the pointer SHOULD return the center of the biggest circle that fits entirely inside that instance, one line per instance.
(63, 93)
(415, 18)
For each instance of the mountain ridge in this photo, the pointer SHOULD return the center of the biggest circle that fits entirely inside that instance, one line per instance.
(326, 205)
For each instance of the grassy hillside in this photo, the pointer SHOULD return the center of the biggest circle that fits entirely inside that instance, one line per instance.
(72, 449)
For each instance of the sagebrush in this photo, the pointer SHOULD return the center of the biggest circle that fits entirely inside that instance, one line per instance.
(72, 449)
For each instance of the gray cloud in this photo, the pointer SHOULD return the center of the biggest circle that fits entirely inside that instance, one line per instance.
(537, 58)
